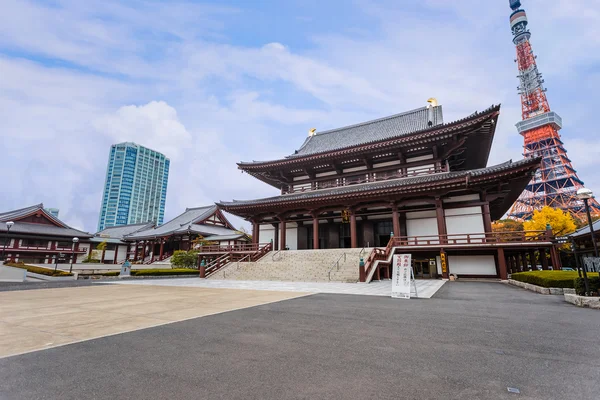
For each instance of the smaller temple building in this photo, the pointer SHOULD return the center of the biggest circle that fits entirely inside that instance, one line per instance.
(33, 235)
(117, 248)
(206, 223)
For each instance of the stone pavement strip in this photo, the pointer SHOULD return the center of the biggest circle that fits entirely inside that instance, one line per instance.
(425, 288)
(44, 318)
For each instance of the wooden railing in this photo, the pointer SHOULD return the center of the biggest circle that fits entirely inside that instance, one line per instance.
(240, 255)
(383, 254)
(365, 177)
(473, 238)
(245, 247)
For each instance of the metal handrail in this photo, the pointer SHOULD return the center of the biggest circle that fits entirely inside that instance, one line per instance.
(238, 262)
(337, 263)
(275, 254)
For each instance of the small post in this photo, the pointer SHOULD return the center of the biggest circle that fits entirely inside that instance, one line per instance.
(361, 271)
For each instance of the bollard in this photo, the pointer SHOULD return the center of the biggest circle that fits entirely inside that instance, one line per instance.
(361, 271)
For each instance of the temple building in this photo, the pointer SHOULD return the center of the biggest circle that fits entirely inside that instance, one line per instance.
(34, 235)
(407, 183)
(159, 243)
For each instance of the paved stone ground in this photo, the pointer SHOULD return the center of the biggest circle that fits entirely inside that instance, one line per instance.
(425, 288)
(39, 319)
(470, 341)
(10, 286)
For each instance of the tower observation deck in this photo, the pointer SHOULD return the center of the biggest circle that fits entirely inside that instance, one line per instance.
(556, 183)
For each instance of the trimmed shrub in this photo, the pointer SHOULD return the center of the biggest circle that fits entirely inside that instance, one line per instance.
(159, 272)
(593, 283)
(548, 279)
(184, 259)
(39, 270)
(110, 273)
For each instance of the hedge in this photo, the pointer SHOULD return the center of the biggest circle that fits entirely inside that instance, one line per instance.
(39, 270)
(548, 279)
(593, 284)
(158, 272)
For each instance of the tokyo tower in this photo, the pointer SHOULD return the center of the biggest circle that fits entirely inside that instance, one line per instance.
(556, 182)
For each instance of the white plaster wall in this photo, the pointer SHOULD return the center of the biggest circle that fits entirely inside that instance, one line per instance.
(291, 236)
(420, 158)
(472, 265)
(86, 247)
(421, 223)
(421, 168)
(465, 220)
(266, 234)
(122, 254)
(386, 164)
(109, 256)
(456, 199)
(422, 227)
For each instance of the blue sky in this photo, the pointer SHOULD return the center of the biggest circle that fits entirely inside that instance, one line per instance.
(213, 83)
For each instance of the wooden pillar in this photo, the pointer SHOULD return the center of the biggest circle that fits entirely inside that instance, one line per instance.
(283, 233)
(143, 251)
(353, 237)
(441, 220)
(555, 259)
(116, 253)
(162, 249)
(396, 220)
(403, 229)
(533, 260)
(102, 257)
(276, 237)
(444, 261)
(135, 250)
(315, 231)
(544, 259)
(502, 264)
(487, 219)
(255, 233)
(152, 250)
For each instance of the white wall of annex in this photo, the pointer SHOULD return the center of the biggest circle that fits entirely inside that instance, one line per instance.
(472, 265)
(266, 234)
(122, 254)
(291, 236)
(464, 220)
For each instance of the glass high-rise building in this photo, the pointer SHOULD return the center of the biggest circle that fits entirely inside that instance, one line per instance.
(135, 190)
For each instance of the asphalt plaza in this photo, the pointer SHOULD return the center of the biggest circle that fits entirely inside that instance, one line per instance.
(469, 341)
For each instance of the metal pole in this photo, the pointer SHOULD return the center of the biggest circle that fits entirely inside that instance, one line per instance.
(591, 224)
(72, 257)
(585, 278)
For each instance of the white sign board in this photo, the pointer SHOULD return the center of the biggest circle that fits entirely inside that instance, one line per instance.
(401, 276)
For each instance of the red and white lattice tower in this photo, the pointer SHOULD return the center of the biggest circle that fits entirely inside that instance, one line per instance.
(556, 183)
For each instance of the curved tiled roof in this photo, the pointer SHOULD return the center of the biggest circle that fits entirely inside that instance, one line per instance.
(118, 232)
(379, 185)
(340, 145)
(184, 222)
(371, 131)
(60, 229)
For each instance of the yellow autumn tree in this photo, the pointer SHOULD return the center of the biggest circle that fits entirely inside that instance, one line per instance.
(562, 223)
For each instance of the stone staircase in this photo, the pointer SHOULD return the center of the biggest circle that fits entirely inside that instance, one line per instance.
(298, 266)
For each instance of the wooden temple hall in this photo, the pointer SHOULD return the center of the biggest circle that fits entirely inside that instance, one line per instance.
(407, 183)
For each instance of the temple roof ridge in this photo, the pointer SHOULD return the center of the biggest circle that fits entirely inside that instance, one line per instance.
(365, 140)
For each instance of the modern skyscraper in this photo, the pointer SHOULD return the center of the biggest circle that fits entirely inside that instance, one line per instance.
(135, 190)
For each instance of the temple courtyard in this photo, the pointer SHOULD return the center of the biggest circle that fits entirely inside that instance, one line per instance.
(466, 340)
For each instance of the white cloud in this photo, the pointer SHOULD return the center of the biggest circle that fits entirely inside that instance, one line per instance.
(154, 125)
(178, 78)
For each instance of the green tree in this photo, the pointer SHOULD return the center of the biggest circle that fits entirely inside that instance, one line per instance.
(184, 259)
